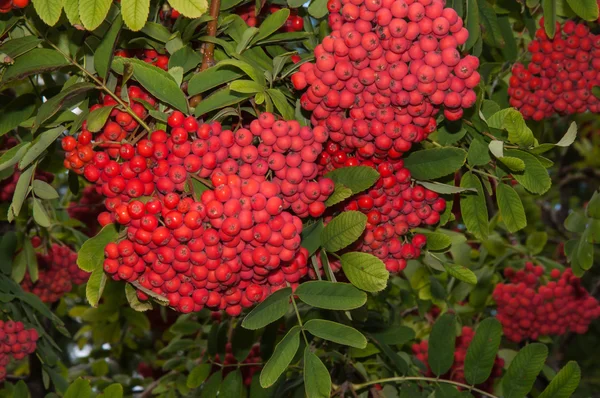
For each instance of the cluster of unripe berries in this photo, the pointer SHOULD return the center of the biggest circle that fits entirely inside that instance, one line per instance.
(8, 185)
(294, 22)
(57, 273)
(248, 370)
(80, 151)
(87, 209)
(393, 207)
(228, 247)
(561, 74)
(149, 56)
(456, 373)
(530, 305)
(15, 342)
(7, 5)
(385, 71)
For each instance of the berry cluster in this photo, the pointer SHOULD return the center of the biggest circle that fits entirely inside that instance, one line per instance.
(456, 373)
(247, 371)
(80, 151)
(385, 71)
(7, 186)
(87, 209)
(227, 247)
(529, 308)
(7, 5)
(149, 56)
(15, 342)
(294, 22)
(393, 206)
(58, 272)
(561, 74)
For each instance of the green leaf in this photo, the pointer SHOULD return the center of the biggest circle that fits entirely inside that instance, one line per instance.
(104, 54)
(317, 381)
(20, 390)
(444, 188)
(396, 335)
(17, 47)
(133, 300)
(48, 10)
(93, 12)
(496, 147)
(114, 390)
(190, 8)
(536, 242)
(482, 351)
(569, 136)
(91, 254)
(535, 177)
(254, 73)
(8, 245)
(44, 190)
(343, 230)
(219, 99)
(336, 332)
(514, 164)
(518, 132)
(157, 31)
(441, 344)
(95, 286)
(135, 13)
(318, 8)
(331, 295)
(592, 210)
(198, 375)
(39, 145)
(281, 103)
(80, 388)
(186, 58)
(582, 255)
(365, 271)
(272, 24)
(281, 358)
(429, 164)
(16, 112)
(72, 11)
(357, 179)
(210, 389)
(212, 77)
(461, 273)
(564, 384)
(549, 8)
(246, 86)
(473, 207)
(523, 370)
(38, 60)
(478, 154)
(232, 385)
(311, 237)
(437, 241)
(31, 258)
(98, 117)
(586, 9)
(511, 208)
(21, 191)
(491, 28)
(472, 23)
(274, 307)
(39, 214)
(340, 193)
(54, 104)
(13, 155)
(158, 82)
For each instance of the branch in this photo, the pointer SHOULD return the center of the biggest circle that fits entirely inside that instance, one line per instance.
(208, 58)
(417, 378)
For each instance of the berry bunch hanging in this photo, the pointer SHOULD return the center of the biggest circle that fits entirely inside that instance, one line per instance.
(57, 273)
(294, 22)
(16, 342)
(456, 373)
(530, 306)
(561, 74)
(151, 57)
(385, 71)
(248, 367)
(7, 5)
(87, 209)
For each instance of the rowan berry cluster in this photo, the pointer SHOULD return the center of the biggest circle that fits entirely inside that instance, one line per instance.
(385, 71)
(7, 5)
(87, 209)
(294, 22)
(529, 308)
(230, 361)
(80, 151)
(57, 273)
(393, 206)
(561, 74)
(230, 246)
(149, 56)
(15, 342)
(456, 373)
(8, 185)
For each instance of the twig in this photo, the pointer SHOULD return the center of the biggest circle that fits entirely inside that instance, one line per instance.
(208, 59)
(418, 378)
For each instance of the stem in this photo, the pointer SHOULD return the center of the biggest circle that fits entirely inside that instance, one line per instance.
(98, 82)
(485, 174)
(208, 58)
(418, 378)
(299, 319)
